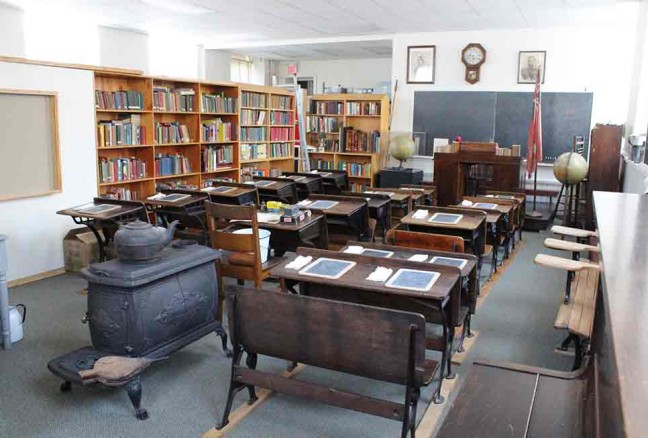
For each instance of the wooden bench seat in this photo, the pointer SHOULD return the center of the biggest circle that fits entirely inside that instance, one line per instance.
(502, 399)
(572, 232)
(550, 261)
(566, 245)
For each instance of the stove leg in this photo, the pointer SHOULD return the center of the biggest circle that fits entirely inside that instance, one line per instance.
(220, 331)
(66, 386)
(134, 391)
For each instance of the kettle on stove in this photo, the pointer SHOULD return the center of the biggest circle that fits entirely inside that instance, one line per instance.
(16, 322)
(140, 241)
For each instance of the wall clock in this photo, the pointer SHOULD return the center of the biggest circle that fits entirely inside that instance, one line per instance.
(473, 56)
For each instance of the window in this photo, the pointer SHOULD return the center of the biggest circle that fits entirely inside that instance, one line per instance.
(240, 70)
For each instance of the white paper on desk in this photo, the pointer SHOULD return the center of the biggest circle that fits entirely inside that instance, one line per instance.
(299, 262)
(354, 249)
(380, 274)
(418, 258)
(466, 203)
(420, 214)
(268, 218)
(304, 203)
(489, 196)
(156, 197)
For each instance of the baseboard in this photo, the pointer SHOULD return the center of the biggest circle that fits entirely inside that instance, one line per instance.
(36, 277)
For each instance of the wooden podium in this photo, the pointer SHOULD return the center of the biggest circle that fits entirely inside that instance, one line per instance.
(472, 170)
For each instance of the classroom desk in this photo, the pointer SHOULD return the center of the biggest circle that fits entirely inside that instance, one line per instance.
(499, 227)
(344, 214)
(307, 183)
(241, 195)
(468, 273)
(440, 305)
(399, 201)
(508, 208)
(379, 206)
(189, 212)
(310, 233)
(519, 213)
(128, 211)
(471, 227)
(280, 190)
(334, 181)
(429, 193)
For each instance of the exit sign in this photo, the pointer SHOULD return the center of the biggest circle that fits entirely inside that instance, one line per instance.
(292, 68)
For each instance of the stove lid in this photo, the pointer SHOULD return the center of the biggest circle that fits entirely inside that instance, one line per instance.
(173, 259)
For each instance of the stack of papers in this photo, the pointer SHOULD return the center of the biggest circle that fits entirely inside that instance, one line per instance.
(354, 249)
(268, 218)
(380, 274)
(304, 203)
(466, 203)
(299, 262)
(156, 197)
(420, 214)
(418, 258)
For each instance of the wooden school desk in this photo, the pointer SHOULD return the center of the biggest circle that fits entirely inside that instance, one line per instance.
(334, 181)
(108, 222)
(243, 194)
(438, 305)
(346, 214)
(307, 183)
(281, 189)
(508, 208)
(379, 208)
(189, 212)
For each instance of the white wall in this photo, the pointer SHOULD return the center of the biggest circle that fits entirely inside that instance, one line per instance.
(217, 65)
(350, 73)
(123, 48)
(35, 230)
(12, 38)
(597, 59)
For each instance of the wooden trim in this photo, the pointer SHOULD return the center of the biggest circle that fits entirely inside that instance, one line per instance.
(57, 184)
(95, 68)
(36, 277)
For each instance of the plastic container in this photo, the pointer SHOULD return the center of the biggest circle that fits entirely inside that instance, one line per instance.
(264, 241)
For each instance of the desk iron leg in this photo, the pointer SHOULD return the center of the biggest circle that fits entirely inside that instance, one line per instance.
(251, 363)
(134, 391)
(101, 243)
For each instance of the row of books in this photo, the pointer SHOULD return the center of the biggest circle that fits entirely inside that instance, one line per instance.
(280, 134)
(121, 193)
(323, 124)
(353, 140)
(174, 184)
(254, 151)
(176, 164)
(513, 151)
(217, 157)
(119, 100)
(326, 107)
(322, 164)
(362, 108)
(121, 169)
(451, 148)
(252, 117)
(171, 132)
(173, 99)
(358, 187)
(278, 150)
(281, 102)
(253, 134)
(355, 169)
(211, 181)
(218, 103)
(248, 172)
(218, 130)
(328, 145)
(254, 100)
(281, 118)
(124, 132)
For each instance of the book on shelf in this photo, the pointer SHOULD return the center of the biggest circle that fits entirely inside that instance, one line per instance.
(323, 124)
(171, 132)
(173, 99)
(322, 164)
(167, 164)
(119, 100)
(218, 103)
(279, 150)
(123, 193)
(328, 145)
(281, 118)
(280, 134)
(127, 131)
(281, 102)
(174, 184)
(209, 182)
(118, 169)
(217, 157)
(362, 109)
(358, 187)
(217, 130)
(253, 134)
(252, 117)
(356, 141)
(254, 100)
(254, 151)
(355, 169)
(326, 107)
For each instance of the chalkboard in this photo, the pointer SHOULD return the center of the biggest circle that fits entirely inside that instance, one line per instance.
(446, 114)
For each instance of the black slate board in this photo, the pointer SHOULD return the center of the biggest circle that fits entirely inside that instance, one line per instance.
(503, 117)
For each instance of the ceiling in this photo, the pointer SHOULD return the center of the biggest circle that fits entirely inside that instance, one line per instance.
(345, 50)
(254, 23)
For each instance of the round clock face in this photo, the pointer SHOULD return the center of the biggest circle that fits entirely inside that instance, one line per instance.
(473, 56)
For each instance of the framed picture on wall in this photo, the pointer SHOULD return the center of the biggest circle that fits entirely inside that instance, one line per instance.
(420, 64)
(529, 65)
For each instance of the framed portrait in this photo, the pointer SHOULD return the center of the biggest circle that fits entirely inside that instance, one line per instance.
(529, 65)
(420, 64)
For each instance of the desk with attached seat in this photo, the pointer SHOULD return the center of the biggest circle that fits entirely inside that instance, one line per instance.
(243, 194)
(189, 212)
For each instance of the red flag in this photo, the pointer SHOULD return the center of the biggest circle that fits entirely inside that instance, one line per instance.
(534, 145)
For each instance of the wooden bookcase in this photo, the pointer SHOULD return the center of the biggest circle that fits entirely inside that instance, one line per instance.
(348, 111)
(204, 157)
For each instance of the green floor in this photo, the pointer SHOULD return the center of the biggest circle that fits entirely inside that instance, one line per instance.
(185, 395)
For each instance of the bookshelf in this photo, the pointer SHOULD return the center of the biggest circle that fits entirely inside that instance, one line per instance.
(155, 131)
(349, 132)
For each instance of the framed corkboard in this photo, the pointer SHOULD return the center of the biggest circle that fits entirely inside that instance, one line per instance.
(30, 162)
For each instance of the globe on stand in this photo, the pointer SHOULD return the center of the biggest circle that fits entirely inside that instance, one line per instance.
(401, 147)
(570, 168)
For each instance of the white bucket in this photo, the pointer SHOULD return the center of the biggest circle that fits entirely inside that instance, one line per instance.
(264, 241)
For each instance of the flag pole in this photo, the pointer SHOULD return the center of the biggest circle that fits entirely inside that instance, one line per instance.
(535, 213)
